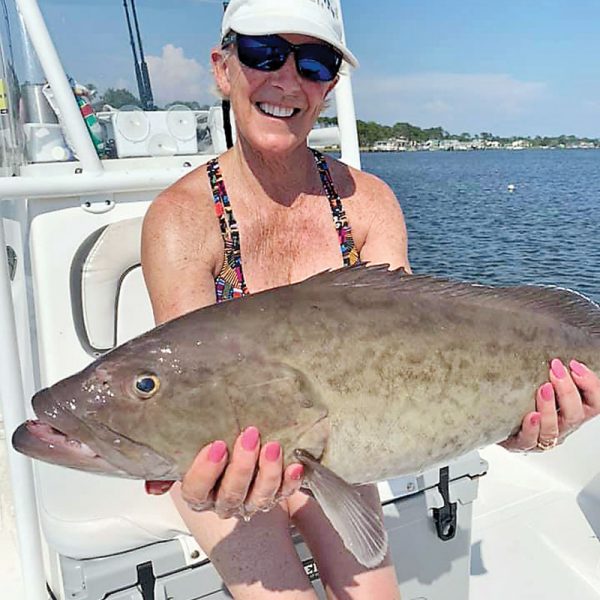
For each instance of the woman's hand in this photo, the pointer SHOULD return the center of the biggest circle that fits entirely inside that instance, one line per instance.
(236, 486)
(571, 397)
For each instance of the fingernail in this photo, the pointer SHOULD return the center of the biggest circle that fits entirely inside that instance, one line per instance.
(558, 368)
(157, 488)
(296, 472)
(250, 438)
(535, 419)
(547, 392)
(273, 451)
(578, 368)
(217, 451)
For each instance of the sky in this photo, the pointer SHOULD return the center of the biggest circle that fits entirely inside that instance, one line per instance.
(509, 67)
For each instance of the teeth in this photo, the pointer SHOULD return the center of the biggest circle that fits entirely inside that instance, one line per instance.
(276, 111)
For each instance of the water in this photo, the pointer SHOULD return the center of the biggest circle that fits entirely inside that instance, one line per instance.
(464, 223)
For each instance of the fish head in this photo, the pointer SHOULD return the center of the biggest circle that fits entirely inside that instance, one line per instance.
(119, 415)
(146, 408)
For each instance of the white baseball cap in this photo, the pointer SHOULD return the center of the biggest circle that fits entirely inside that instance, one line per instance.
(317, 18)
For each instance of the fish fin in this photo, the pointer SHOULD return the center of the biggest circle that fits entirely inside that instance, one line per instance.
(360, 529)
(567, 306)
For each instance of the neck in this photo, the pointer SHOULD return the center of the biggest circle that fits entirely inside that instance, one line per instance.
(282, 178)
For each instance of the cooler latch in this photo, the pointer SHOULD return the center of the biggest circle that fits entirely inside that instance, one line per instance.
(146, 580)
(445, 517)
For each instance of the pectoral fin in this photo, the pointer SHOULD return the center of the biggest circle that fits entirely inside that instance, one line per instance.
(360, 529)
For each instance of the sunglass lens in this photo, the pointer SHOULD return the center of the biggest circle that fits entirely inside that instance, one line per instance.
(264, 53)
(318, 62)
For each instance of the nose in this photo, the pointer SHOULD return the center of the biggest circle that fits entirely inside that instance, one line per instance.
(287, 76)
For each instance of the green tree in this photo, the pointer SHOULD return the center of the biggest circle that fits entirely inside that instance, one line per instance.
(118, 98)
(327, 121)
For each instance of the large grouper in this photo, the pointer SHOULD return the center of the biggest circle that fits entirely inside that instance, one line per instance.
(361, 373)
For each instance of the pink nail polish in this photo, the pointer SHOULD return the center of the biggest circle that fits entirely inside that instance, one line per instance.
(273, 451)
(535, 419)
(558, 368)
(250, 439)
(578, 368)
(296, 472)
(547, 392)
(217, 452)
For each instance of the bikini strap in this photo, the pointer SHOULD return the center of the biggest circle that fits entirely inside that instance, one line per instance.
(347, 246)
(230, 282)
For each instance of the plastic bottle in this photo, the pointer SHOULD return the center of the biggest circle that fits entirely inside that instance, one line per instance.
(91, 120)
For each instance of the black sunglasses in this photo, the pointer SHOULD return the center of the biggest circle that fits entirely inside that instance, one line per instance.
(315, 62)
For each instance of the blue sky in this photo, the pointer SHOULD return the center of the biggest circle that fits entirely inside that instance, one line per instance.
(512, 67)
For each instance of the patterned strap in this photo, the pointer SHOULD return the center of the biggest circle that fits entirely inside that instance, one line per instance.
(230, 282)
(347, 246)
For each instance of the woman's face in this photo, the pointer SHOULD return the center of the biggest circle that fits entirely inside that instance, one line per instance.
(274, 111)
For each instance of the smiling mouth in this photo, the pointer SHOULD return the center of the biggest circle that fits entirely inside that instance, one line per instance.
(277, 112)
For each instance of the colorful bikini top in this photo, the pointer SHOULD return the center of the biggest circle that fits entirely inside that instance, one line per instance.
(230, 282)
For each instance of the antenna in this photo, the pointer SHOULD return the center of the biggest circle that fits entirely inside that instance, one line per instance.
(148, 100)
(138, 74)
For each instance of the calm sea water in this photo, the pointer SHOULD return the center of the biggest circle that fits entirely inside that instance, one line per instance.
(463, 221)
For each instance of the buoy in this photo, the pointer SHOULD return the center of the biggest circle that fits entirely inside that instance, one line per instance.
(512, 187)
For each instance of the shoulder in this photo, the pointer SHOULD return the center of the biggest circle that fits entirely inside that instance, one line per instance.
(182, 217)
(361, 187)
(185, 202)
(182, 248)
(374, 214)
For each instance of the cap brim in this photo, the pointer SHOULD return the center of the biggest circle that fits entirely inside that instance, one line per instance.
(281, 24)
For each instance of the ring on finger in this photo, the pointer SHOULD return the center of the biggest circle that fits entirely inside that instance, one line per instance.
(201, 506)
(264, 506)
(547, 444)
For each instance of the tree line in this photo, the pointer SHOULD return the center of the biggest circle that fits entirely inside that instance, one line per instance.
(370, 132)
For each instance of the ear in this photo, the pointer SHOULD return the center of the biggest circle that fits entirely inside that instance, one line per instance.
(218, 60)
(331, 86)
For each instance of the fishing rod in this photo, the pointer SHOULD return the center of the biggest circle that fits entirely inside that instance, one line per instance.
(148, 100)
(138, 73)
(226, 108)
(8, 32)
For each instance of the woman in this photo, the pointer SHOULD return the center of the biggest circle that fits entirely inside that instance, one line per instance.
(267, 213)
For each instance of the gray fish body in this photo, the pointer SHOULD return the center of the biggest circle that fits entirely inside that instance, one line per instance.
(373, 373)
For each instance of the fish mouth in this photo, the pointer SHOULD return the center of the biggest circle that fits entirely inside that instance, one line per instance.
(40, 440)
(62, 437)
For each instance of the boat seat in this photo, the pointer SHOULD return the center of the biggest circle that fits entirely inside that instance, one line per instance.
(89, 296)
(109, 304)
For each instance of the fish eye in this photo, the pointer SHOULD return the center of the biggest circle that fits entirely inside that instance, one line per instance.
(146, 385)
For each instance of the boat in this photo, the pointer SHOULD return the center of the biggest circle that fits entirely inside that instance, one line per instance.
(74, 186)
